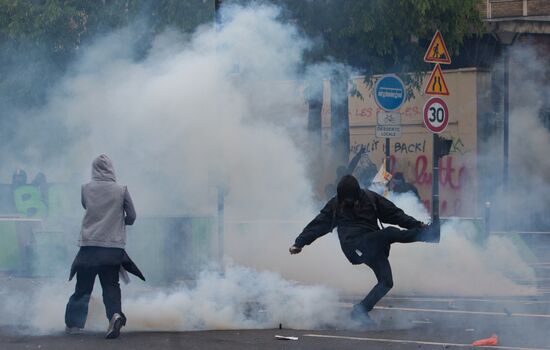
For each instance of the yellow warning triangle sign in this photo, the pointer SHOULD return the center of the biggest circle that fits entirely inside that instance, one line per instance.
(437, 51)
(436, 85)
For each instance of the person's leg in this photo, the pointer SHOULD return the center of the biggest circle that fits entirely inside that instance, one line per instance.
(76, 311)
(432, 232)
(109, 278)
(382, 270)
(429, 233)
(395, 235)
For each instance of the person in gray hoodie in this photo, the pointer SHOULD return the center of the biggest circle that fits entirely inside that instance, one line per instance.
(109, 208)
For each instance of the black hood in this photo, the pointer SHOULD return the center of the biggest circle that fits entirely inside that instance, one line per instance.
(348, 188)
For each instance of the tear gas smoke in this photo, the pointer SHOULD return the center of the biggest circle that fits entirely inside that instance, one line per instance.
(224, 106)
(524, 203)
(458, 266)
(241, 298)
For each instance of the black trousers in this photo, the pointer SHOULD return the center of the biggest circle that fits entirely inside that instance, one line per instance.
(77, 307)
(377, 252)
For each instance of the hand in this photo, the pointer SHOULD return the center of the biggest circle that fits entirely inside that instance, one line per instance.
(294, 250)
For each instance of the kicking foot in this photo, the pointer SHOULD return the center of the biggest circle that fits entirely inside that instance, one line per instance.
(361, 315)
(115, 325)
(432, 232)
(73, 330)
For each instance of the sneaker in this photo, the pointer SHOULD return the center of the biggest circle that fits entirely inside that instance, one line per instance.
(432, 232)
(361, 315)
(114, 327)
(72, 330)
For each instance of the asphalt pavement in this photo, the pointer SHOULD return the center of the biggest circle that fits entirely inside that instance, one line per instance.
(404, 322)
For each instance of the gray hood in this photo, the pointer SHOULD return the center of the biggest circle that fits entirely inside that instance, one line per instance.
(102, 169)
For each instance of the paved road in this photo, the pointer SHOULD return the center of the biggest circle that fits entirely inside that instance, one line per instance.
(404, 323)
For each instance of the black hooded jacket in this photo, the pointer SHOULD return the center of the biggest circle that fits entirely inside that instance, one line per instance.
(355, 224)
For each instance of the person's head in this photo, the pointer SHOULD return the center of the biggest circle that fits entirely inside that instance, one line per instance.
(348, 191)
(19, 177)
(103, 169)
(39, 179)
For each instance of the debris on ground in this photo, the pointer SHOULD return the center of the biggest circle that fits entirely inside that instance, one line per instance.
(285, 338)
(492, 341)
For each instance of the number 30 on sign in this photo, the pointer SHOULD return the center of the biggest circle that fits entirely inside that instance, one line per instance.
(436, 115)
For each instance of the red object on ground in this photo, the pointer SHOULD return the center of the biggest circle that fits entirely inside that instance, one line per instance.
(492, 341)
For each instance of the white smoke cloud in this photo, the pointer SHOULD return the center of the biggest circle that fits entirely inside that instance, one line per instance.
(175, 123)
(523, 204)
(178, 120)
(240, 298)
(460, 265)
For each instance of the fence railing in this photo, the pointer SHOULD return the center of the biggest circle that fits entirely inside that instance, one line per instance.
(494, 9)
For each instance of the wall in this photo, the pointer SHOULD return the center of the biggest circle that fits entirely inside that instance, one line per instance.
(412, 153)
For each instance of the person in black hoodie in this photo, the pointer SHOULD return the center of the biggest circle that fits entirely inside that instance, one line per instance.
(356, 213)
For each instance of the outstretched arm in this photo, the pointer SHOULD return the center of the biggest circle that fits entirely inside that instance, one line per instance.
(318, 227)
(355, 160)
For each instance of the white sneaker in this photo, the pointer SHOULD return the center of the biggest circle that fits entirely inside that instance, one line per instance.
(114, 327)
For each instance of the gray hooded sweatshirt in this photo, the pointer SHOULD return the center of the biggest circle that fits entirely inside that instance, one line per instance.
(109, 208)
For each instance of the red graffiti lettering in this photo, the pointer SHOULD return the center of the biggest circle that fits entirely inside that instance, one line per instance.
(421, 175)
(393, 161)
(364, 112)
(446, 171)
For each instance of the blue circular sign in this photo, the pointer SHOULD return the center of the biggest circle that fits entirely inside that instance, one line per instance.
(389, 92)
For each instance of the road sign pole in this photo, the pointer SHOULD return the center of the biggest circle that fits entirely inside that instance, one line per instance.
(436, 113)
(388, 154)
(506, 120)
(435, 178)
(389, 94)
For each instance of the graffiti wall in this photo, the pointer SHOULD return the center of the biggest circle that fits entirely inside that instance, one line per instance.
(411, 153)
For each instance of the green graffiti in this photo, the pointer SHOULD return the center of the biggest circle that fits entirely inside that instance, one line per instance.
(28, 201)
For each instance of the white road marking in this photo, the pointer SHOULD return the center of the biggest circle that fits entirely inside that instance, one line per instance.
(421, 321)
(454, 311)
(447, 300)
(419, 342)
(490, 313)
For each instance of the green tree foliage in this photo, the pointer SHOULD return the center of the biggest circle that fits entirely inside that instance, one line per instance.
(382, 36)
(62, 26)
(373, 36)
(40, 37)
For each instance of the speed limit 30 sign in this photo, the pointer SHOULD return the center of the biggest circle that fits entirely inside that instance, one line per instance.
(436, 115)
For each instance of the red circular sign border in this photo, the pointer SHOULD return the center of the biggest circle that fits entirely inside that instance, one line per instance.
(427, 106)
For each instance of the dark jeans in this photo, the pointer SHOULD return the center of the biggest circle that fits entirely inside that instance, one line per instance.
(77, 307)
(377, 260)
